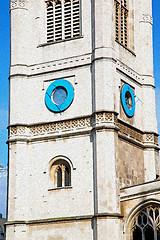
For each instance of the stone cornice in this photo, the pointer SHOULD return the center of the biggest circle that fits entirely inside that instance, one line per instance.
(52, 66)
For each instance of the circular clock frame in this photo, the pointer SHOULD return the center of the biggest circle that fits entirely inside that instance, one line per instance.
(59, 95)
(128, 100)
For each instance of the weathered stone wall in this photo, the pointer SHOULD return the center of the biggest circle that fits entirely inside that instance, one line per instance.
(131, 163)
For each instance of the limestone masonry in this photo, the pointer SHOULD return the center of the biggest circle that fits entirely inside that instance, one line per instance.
(83, 142)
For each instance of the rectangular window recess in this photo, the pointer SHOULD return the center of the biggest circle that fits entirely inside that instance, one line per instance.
(63, 20)
(121, 21)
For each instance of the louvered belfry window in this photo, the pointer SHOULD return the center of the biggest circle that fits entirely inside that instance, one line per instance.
(63, 19)
(121, 21)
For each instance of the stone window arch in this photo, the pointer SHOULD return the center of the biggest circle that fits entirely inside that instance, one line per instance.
(63, 19)
(146, 224)
(60, 173)
(143, 222)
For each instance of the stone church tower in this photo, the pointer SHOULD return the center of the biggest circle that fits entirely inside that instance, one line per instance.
(83, 142)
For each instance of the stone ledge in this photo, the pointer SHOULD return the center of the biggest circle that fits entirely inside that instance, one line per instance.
(64, 219)
(140, 190)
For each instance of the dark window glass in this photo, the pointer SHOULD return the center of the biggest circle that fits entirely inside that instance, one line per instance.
(67, 182)
(149, 233)
(158, 234)
(59, 178)
(137, 234)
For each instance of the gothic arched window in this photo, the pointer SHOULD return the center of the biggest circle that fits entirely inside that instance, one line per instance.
(61, 173)
(63, 19)
(146, 224)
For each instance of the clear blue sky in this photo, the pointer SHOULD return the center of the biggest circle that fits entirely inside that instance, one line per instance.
(4, 73)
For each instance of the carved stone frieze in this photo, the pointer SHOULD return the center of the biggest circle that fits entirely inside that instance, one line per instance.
(15, 4)
(156, 140)
(59, 126)
(104, 117)
(130, 132)
(147, 18)
(62, 126)
(151, 138)
(100, 119)
(18, 130)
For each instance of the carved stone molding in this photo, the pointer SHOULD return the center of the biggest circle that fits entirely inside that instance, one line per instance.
(151, 138)
(147, 18)
(130, 132)
(73, 126)
(60, 64)
(62, 126)
(15, 4)
(128, 71)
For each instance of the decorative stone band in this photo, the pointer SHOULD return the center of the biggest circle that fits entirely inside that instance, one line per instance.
(16, 4)
(100, 120)
(147, 18)
(129, 131)
(136, 134)
(73, 125)
(121, 67)
(66, 63)
(151, 138)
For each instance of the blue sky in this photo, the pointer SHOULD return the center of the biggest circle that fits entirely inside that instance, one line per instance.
(4, 73)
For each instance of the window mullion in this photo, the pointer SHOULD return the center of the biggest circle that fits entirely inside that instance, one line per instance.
(63, 175)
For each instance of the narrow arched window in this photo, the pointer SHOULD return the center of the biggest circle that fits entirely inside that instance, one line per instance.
(63, 19)
(60, 173)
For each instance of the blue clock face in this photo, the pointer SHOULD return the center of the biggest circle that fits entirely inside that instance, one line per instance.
(128, 100)
(59, 95)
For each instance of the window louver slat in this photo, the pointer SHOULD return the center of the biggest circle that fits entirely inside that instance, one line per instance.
(121, 14)
(70, 17)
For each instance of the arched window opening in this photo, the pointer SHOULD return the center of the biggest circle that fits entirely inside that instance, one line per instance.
(60, 173)
(146, 224)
